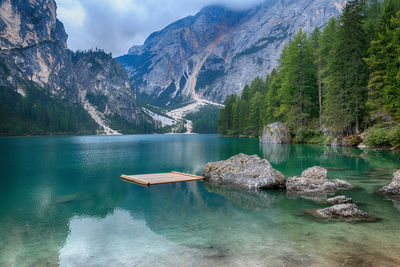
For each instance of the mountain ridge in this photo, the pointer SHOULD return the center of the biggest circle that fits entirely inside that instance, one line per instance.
(247, 45)
(34, 57)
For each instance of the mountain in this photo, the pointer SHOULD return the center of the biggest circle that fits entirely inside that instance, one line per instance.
(47, 89)
(199, 60)
(218, 51)
(104, 89)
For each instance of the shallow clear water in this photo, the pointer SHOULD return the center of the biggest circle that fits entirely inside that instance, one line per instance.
(62, 202)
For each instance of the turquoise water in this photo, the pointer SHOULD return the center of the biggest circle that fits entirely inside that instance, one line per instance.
(62, 202)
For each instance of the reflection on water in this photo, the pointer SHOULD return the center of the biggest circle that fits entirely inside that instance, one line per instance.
(62, 202)
(251, 199)
(118, 239)
(275, 153)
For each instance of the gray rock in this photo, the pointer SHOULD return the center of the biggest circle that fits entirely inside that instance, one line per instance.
(339, 200)
(315, 173)
(392, 190)
(275, 133)
(314, 181)
(243, 171)
(342, 212)
(323, 198)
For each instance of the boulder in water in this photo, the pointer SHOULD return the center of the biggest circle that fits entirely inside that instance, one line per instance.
(243, 171)
(392, 190)
(342, 212)
(314, 181)
(275, 133)
(339, 200)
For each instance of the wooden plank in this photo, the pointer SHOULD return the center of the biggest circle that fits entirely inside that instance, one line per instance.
(162, 181)
(191, 175)
(165, 177)
(161, 178)
(131, 179)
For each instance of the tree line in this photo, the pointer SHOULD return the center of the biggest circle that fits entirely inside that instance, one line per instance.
(339, 81)
(38, 113)
(204, 120)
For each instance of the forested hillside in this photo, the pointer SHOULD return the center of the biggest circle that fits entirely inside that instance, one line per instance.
(205, 120)
(37, 113)
(46, 89)
(341, 81)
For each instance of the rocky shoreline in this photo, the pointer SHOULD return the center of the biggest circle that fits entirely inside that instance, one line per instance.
(251, 173)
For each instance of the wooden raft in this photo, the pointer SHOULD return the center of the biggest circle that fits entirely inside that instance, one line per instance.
(161, 178)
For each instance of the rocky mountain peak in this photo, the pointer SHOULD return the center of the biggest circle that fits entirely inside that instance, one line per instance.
(217, 51)
(34, 56)
(26, 23)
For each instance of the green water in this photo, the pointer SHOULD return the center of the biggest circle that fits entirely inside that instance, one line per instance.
(62, 202)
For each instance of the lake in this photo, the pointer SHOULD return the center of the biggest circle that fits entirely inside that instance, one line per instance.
(62, 202)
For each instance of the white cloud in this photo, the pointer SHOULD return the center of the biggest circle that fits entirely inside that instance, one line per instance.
(116, 25)
(72, 12)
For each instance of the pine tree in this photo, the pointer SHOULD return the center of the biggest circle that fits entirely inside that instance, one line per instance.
(346, 80)
(272, 101)
(371, 24)
(325, 51)
(315, 41)
(225, 120)
(383, 61)
(264, 102)
(254, 122)
(298, 92)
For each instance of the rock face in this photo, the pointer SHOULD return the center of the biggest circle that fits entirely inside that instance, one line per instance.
(103, 83)
(392, 190)
(34, 48)
(34, 53)
(275, 133)
(313, 181)
(342, 212)
(218, 51)
(243, 171)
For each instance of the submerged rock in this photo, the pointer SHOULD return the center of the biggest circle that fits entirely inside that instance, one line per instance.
(275, 133)
(244, 171)
(342, 212)
(392, 190)
(396, 204)
(71, 198)
(339, 200)
(314, 181)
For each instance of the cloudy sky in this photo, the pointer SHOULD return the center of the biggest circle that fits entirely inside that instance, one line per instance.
(116, 25)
